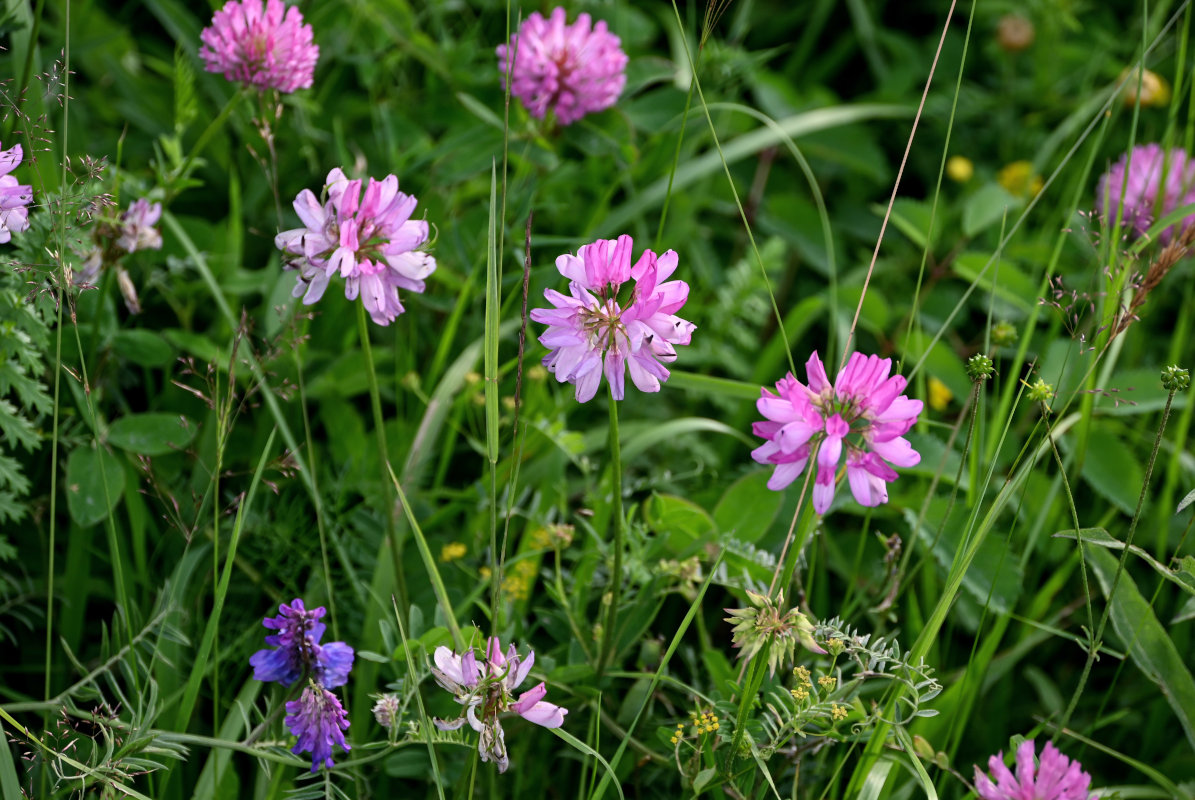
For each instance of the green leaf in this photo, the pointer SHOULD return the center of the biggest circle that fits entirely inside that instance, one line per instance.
(1186, 501)
(994, 577)
(1111, 468)
(1148, 645)
(94, 485)
(683, 522)
(704, 778)
(143, 348)
(986, 207)
(912, 218)
(1184, 575)
(748, 507)
(1004, 279)
(152, 434)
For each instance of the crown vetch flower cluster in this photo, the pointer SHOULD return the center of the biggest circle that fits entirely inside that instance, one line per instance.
(370, 239)
(298, 649)
(319, 721)
(863, 412)
(1154, 183)
(14, 195)
(486, 690)
(589, 332)
(262, 45)
(1056, 777)
(572, 69)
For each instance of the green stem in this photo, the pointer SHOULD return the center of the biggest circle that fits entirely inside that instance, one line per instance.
(375, 401)
(616, 521)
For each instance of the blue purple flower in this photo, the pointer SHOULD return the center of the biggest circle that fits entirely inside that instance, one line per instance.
(299, 651)
(319, 721)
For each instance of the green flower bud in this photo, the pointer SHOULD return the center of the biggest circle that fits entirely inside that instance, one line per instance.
(1175, 379)
(979, 368)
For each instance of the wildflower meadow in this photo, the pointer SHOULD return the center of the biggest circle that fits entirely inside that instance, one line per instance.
(618, 399)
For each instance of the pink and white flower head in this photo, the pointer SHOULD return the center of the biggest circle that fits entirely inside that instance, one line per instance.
(863, 414)
(14, 195)
(486, 689)
(137, 231)
(590, 333)
(369, 239)
(573, 69)
(1056, 777)
(262, 45)
(1154, 184)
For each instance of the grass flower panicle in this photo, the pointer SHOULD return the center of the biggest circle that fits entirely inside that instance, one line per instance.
(589, 332)
(264, 45)
(1055, 777)
(298, 650)
(862, 413)
(137, 231)
(369, 238)
(486, 689)
(572, 70)
(15, 196)
(319, 721)
(1154, 183)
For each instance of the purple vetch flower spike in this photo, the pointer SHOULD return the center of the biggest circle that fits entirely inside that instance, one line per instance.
(369, 239)
(590, 334)
(15, 196)
(862, 413)
(486, 689)
(319, 721)
(137, 231)
(571, 70)
(1056, 777)
(265, 46)
(1154, 184)
(298, 650)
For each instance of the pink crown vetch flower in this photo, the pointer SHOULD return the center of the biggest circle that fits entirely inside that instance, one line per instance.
(137, 231)
(862, 413)
(572, 69)
(14, 195)
(266, 46)
(590, 333)
(369, 239)
(1147, 197)
(486, 689)
(1056, 777)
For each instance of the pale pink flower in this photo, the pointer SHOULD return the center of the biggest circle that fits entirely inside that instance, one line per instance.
(863, 413)
(137, 231)
(1154, 183)
(571, 69)
(590, 333)
(265, 46)
(1055, 778)
(14, 195)
(370, 240)
(486, 689)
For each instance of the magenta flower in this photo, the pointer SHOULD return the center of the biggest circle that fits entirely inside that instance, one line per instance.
(137, 231)
(319, 721)
(863, 413)
(14, 195)
(486, 689)
(369, 239)
(299, 650)
(569, 69)
(589, 332)
(1154, 184)
(267, 46)
(1055, 778)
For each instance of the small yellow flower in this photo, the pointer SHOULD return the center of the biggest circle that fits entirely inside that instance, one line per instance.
(485, 573)
(1019, 179)
(675, 739)
(827, 682)
(837, 712)
(801, 673)
(799, 694)
(835, 646)
(1154, 89)
(451, 552)
(939, 395)
(959, 169)
(537, 373)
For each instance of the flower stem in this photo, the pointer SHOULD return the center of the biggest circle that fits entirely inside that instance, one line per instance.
(616, 522)
(387, 489)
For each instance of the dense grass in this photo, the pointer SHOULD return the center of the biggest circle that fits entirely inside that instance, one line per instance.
(168, 477)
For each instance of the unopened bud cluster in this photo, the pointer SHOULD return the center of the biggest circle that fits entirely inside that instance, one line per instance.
(1175, 379)
(979, 368)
